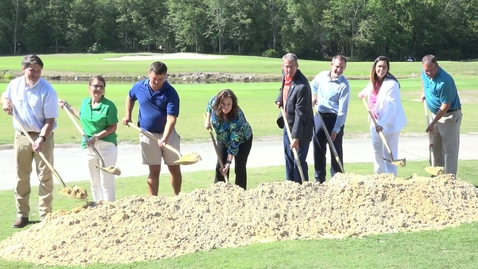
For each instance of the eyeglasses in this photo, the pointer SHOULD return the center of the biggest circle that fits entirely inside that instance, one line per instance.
(96, 86)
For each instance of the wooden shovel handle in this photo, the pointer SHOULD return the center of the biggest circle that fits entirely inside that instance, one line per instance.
(329, 139)
(72, 117)
(430, 138)
(294, 150)
(39, 152)
(154, 138)
(384, 140)
(218, 154)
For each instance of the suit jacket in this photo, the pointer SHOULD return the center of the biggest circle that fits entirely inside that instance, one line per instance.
(298, 108)
(389, 109)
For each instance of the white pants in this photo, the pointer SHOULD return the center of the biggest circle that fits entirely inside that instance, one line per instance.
(102, 183)
(381, 166)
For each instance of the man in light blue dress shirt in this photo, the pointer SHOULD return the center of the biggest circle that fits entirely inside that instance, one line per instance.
(330, 96)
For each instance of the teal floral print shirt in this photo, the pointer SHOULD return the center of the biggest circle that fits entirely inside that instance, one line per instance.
(230, 133)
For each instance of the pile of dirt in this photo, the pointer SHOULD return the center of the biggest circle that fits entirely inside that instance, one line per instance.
(148, 228)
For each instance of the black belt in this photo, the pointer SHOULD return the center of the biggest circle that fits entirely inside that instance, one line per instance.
(327, 115)
(453, 110)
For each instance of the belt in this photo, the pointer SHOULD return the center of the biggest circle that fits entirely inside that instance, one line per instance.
(30, 133)
(327, 115)
(453, 110)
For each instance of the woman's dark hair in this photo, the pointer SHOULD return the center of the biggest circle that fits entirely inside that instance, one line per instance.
(99, 78)
(216, 107)
(373, 73)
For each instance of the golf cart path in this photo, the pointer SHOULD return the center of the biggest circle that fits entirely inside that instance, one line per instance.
(71, 167)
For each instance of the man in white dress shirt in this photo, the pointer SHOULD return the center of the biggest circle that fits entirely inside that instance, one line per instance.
(33, 102)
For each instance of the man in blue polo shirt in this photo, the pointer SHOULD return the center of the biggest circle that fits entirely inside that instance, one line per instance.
(440, 93)
(158, 110)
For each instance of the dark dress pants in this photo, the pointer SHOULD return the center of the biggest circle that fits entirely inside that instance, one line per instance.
(291, 167)
(240, 162)
(320, 148)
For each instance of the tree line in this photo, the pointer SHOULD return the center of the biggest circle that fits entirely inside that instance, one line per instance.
(313, 29)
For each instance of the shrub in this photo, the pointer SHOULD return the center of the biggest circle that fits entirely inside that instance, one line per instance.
(270, 53)
(8, 76)
(96, 48)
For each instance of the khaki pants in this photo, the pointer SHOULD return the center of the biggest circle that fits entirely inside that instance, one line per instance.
(24, 156)
(152, 153)
(446, 141)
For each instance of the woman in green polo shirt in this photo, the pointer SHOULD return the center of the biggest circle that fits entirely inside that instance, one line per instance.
(99, 118)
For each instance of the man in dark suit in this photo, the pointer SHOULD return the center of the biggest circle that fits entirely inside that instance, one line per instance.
(295, 98)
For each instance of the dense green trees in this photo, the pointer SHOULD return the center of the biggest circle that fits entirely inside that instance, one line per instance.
(314, 29)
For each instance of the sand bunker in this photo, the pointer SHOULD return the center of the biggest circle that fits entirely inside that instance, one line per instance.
(148, 228)
(166, 56)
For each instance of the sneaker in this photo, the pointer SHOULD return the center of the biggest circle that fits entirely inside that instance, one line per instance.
(20, 222)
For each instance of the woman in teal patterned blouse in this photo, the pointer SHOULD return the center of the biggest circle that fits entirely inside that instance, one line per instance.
(233, 132)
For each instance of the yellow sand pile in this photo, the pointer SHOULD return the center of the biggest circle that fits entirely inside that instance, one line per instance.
(144, 228)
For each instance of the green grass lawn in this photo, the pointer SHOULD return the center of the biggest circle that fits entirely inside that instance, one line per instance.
(449, 248)
(87, 64)
(257, 102)
(256, 99)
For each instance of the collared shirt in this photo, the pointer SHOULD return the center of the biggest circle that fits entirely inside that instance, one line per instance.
(33, 105)
(332, 96)
(97, 119)
(154, 106)
(285, 90)
(230, 133)
(440, 90)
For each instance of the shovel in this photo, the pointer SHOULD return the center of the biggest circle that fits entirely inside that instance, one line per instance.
(218, 154)
(187, 159)
(74, 192)
(294, 150)
(110, 169)
(399, 162)
(331, 143)
(433, 170)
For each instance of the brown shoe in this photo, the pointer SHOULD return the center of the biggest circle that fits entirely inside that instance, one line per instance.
(20, 222)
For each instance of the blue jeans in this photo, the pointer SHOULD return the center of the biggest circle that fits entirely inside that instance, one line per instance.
(291, 167)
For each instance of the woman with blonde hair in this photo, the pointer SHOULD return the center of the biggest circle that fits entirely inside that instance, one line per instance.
(99, 119)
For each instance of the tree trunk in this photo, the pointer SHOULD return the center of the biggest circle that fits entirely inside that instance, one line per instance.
(220, 44)
(15, 24)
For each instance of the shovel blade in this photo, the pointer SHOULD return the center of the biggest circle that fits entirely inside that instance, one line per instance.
(110, 169)
(75, 192)
(435, 170)
(190, 158)
(399, 163)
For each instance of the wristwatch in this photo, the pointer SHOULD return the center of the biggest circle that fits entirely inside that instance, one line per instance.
(43, 138)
